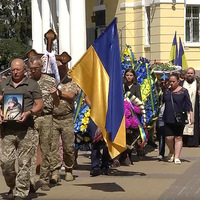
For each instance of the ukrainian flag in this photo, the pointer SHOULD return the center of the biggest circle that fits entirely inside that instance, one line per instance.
(174, 52)
(181, 56)
(98, 73)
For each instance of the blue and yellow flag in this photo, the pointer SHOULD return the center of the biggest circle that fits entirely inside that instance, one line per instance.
(181, 56)
(174, 52)
(98, 74)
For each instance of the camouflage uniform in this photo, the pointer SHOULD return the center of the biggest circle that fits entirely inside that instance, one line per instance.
(43, 127)
(17, 139)
(63, 124)
(35, 142)
(23, 138)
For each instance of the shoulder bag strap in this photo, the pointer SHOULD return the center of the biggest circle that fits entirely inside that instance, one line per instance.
(172, 103)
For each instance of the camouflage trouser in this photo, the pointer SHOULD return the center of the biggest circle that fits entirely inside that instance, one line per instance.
(17, 145)
(66, 128)
(43, 126)
(35, 142)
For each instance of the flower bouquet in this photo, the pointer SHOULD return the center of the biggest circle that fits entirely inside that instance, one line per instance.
(127, 60)
(160, 67)
(82, 120)
(131, 121)
(82, 137)
(149, 88)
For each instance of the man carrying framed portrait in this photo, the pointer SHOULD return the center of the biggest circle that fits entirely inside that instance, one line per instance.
(20, 98)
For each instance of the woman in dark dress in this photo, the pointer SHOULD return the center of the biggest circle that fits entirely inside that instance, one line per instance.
(174, 131)
(131, 85)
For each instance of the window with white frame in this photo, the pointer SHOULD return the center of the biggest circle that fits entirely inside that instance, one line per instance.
(192, 24)
(147, 25)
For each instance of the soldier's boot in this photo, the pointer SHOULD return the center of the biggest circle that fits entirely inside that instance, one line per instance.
(32, 188)
(69, 176)
(45, 187)
(55, 179)
(10, 194)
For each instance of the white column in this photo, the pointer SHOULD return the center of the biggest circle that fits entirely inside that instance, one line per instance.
(54, 23)
(78, 29)
(36, 25)
(54, 18)
(46, 17)
(64, 26)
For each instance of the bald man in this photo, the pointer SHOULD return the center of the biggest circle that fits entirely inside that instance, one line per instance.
(17, 135)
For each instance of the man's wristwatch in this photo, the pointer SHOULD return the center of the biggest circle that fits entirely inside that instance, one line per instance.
(32, 114)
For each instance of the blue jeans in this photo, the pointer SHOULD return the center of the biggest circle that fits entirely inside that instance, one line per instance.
(97, 160)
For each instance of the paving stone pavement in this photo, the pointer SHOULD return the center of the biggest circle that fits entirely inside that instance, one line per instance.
(147, 179)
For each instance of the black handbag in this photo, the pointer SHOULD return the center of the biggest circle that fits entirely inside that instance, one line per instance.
(181, 117)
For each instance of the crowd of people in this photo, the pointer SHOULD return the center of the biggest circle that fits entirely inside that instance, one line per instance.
(47, 117)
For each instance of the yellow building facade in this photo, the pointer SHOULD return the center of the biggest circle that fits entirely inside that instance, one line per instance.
(148, 26)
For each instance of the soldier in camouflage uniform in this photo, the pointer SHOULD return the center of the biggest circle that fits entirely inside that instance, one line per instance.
(44, 120)
(17, 135)
(63, 124)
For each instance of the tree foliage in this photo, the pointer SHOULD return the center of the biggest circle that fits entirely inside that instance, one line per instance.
(11, 48)
(15, 29)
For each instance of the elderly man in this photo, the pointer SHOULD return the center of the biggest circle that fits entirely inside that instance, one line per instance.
(17, 135)
(44, 120)
(191, 134)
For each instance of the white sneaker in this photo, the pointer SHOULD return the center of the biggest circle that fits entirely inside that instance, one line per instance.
(160, 158)
(177, 161)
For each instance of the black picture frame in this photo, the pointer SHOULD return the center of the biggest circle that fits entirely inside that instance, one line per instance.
(13, 105)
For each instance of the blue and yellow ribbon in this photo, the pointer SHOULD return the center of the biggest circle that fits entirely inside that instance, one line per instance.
(80, 100)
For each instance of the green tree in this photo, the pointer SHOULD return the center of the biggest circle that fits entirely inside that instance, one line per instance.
(11, 48)
(15, 29)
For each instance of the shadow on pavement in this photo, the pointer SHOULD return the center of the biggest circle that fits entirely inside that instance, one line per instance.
(116, 172)
(30, 196)
(106, 187)
(84, 167)
(184, 160)
(143, 158)
(36, 195)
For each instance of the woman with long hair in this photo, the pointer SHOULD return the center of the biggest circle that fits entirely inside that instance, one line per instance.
(176, 100)
(130, 83)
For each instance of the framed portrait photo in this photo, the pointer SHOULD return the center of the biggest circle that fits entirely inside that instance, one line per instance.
(13, 106)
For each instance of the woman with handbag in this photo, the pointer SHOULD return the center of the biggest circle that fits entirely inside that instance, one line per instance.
(177, 105)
